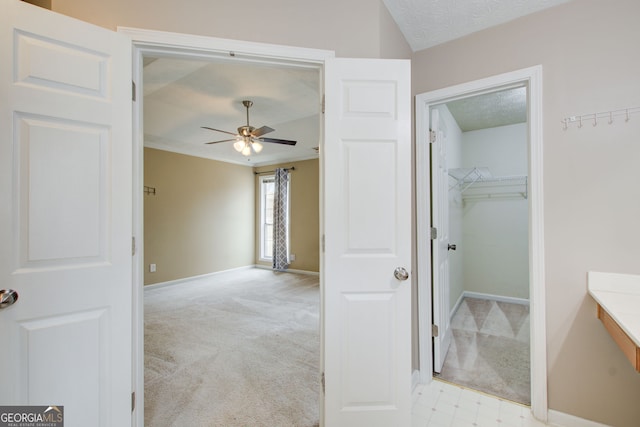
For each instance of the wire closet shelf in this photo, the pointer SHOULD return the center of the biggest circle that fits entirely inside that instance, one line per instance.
(479, 183)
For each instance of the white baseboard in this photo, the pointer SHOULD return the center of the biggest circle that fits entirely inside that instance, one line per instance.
(289, 270)
(498, 298)
(491, 297)
(560, 419)
(201, 276)
(456, 306)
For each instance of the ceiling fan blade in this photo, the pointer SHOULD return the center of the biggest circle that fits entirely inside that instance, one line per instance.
(218, 130)
(261, 131)
(279, 141)
(224, 140)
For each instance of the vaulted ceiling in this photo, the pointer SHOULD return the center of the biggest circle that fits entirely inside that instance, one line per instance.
(427, 23)
(181, 96)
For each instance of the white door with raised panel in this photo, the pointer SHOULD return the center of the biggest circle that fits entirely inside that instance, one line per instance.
(441, 244)
(65, 222)
(367, 205)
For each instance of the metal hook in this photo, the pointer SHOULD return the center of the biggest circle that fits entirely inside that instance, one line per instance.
(610, 117)
(627, 113)
(580, 124)
(595, 120)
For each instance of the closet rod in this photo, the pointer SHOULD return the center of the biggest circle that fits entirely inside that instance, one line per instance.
(292, 168)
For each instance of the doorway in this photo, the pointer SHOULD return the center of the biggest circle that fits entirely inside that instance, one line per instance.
(311, 59)
(484, 294)
(434, 310)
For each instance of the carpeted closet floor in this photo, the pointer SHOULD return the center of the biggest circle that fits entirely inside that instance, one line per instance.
(235, 349)
(490, 349)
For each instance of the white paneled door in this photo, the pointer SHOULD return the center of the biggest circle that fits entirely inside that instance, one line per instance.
(367, 204)
(65, 215)
(440, 245)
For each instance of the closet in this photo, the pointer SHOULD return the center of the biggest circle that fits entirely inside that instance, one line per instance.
(488, 222)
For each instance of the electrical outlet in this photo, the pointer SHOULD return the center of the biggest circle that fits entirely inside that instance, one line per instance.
(292, 257)
(152, 268)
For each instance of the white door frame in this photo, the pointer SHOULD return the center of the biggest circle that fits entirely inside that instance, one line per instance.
(532, 79)
(160, 43)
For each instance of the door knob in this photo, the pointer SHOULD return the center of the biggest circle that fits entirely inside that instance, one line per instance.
(7, 297)
(401, 274)
(451, 247)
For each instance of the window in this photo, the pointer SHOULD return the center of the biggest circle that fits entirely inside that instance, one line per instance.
(267, 188)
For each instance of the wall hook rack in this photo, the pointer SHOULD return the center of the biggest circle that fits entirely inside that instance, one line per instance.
(609, 115)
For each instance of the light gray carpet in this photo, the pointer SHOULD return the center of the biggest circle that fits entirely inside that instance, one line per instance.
(234, 349)
(490, 349)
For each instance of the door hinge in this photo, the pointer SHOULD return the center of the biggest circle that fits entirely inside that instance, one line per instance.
(133, 401)
(434, 330)
(434, 233)
(322, 382)
(432, 136)
(133, 245)
(323, 103)
(323, 243)
(133, 91)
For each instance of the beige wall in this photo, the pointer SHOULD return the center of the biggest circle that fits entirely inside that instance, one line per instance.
(304, 214)
(589, 53)
(354, 28)
(200, 220)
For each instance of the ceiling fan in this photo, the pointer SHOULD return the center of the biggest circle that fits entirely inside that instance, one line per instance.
(248, 138)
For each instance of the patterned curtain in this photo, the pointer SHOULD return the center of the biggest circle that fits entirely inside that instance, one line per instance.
(280, 226)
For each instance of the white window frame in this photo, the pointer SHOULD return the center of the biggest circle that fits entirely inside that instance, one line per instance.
(262, 181)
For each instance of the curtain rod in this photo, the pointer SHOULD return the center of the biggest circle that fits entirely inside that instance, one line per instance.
(292, 168)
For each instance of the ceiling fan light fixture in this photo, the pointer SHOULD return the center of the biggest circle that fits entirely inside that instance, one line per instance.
(249, 139)
(239, 145)
(257, 146)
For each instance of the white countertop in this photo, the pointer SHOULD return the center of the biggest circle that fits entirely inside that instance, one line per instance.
(619, 295)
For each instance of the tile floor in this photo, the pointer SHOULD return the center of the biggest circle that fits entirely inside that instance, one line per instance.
(441, 404)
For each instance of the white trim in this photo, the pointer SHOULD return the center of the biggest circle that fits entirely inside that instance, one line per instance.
(498, 298)
(261, 233)
(560, 419)
(423, 231)
(137, 225)
(188, 279)
(160, 43)
(415, 380)
(455, 308)
(490, 297)
(532, 78)
(168, 44)
(289, 270)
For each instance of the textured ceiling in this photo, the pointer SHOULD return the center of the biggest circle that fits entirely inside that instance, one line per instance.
(490, 110)
(427, 23)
